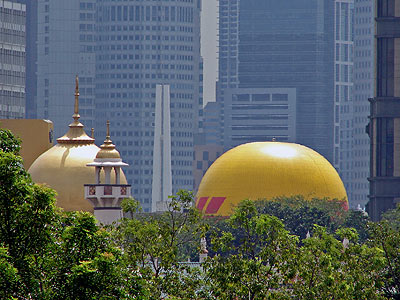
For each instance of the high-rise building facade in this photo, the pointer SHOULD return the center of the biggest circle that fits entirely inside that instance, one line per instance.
(384, 126)
(343, 93)
(66, 48)
(286, 45)
(12, 59)
(257, 115)
(363, 89)
(121, 50)
(31, 57)
(141, 44)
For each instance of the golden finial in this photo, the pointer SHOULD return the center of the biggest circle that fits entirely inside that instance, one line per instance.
(76, 115)
(108, 130)
(92, 133)
(76, 134)
(107, 150)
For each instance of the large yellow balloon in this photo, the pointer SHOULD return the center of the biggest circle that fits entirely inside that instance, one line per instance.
(265, 170)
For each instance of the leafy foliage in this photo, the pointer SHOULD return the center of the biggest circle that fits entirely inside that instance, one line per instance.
(154, 245)
(262, 251)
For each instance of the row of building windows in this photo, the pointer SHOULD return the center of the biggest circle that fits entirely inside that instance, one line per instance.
(12, 77)
(142, 37)
(133, 28)
(140, 13)
(12, 36)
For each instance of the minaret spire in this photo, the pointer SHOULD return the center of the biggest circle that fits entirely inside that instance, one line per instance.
(108, 130)
(76, 115)
(76, 134)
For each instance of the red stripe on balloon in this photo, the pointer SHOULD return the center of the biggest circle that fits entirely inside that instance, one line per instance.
(201, 202)
(214, 205)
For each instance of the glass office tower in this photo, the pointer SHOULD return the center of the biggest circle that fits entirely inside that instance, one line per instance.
(12, 59)
(283, 44)
(139, 45)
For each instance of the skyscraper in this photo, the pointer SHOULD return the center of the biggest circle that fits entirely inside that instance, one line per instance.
(384, 126)
(66, 48)
(343, 93)
(285, 45)
(140, 45)
(31, 57)
(363, 78)
(121, 50)
(12, 59)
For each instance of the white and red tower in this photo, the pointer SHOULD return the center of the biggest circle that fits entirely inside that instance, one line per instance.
(106, 197)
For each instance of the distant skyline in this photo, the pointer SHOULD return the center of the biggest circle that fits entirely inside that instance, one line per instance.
(209, 47)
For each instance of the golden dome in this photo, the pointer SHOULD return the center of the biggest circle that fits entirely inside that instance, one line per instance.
(107, 150)
(265, 170)
(63, 167)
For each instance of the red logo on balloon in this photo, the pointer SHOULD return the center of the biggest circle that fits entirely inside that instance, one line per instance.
(213, 206)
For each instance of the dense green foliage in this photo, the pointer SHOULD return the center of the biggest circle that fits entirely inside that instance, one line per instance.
(287, 248)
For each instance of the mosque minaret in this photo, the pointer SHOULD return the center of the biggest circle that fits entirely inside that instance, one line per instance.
(106, 197)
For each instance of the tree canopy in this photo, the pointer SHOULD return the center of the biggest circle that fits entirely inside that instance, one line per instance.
(286, 248)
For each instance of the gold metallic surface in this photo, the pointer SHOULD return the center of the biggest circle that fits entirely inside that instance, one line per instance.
(108, 148)
(63, 167)
(265, 170)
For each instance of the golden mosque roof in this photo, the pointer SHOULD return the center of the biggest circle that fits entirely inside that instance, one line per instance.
(63, 167)
(264, 170)
(107, 150)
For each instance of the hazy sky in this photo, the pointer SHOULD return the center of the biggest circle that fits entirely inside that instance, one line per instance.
(209, 48)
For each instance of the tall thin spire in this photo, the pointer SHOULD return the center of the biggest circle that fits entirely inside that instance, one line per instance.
(108, 130)
(76, 115)
(76, 134)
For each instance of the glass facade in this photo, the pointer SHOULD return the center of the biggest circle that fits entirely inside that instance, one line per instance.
(66, 48)
(12, 59)
(139, 45)
(343, 93)
(121, 50)
(283, 44)
(363, 90)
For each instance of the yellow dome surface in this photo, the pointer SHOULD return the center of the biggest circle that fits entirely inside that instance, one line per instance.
(63, 167)
(265, 170)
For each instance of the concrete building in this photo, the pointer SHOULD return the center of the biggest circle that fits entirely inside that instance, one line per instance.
(256, 115)
(204, 156)
(12, 59)
(363, 78)
(32, 145)
(212, 124)
(284, 45)
(66, 45)
(384, 126)
(140, 45)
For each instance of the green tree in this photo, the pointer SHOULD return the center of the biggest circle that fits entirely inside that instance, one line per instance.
(27, 212)
(47, 254)
(86, 263)
(9, 278)
(255, 263)
(387, 238)
(300, 215)
(154, 243)
(329, 268)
